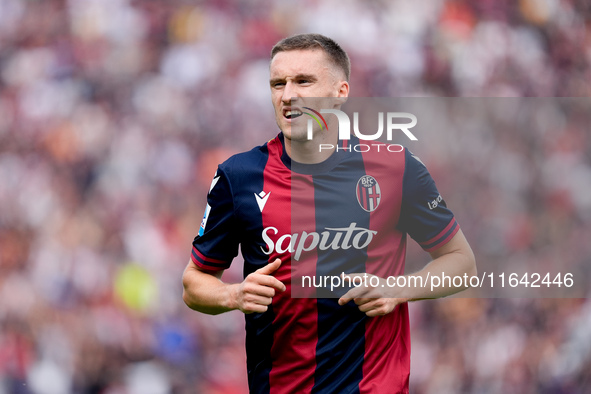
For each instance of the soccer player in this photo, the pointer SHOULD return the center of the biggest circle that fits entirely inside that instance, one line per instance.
(360, 341)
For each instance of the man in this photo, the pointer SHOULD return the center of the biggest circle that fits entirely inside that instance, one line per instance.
(359, 342)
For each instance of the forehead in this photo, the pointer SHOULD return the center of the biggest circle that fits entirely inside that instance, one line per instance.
(301, 61)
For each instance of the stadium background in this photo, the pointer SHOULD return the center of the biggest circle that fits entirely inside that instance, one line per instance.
(114, 113)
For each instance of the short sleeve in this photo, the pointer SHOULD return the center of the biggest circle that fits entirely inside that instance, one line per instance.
(424, 214)
(216, 245)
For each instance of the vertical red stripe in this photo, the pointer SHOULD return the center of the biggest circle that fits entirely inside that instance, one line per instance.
(386, 365)
(295, 324)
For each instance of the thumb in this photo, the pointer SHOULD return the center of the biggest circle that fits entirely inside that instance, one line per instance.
(269, 268)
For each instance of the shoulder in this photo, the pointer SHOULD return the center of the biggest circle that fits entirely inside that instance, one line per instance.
(416, 174)
(246, 163)
(413, 162)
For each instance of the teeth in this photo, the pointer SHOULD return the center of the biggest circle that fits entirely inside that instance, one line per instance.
(295, 112)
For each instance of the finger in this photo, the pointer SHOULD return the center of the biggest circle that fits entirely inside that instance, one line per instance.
(251, 299)
(370, 305)
(348, 296)
(269, 281)
(362, 301)
(381, 311)
(379, 307)
(258, 290)
(254, 308)
(269, 268)
(345, 298)
(357, 292)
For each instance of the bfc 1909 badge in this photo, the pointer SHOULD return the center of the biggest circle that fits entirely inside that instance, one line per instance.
(368, 193)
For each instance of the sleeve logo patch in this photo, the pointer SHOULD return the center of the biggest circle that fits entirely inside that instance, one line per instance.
(204, 221)
(435, 203)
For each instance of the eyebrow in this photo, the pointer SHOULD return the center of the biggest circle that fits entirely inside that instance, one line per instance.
(275, 80)
(311, 77)
(306, 76)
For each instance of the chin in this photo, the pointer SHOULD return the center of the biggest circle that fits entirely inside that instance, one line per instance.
(299, 137)
(286, 131)
(296, 133)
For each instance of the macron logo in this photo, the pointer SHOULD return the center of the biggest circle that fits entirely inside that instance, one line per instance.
(262, 198)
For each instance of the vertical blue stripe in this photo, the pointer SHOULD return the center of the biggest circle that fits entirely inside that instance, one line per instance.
(259, 326)
(341, 329)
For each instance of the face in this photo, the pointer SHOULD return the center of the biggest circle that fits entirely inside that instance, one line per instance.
(299, 74)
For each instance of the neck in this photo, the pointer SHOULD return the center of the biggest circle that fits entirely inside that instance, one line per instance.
(312, 151)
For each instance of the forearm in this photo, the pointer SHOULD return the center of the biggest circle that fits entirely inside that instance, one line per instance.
(454, 259)
(432, 284)
(206, 293)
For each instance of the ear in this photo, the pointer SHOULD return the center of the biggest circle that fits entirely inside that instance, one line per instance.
(342, 93)
(343, 89)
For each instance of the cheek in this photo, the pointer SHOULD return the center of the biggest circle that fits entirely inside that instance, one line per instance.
(327, 89)
(276, 98)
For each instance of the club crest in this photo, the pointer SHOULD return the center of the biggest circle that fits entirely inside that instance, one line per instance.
(368, 193)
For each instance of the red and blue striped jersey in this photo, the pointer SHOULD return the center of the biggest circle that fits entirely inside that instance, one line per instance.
(350, 213)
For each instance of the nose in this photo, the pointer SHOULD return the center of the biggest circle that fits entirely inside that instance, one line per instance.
(289, 91)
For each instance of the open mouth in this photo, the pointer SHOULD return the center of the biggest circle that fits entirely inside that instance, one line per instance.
(292, 113)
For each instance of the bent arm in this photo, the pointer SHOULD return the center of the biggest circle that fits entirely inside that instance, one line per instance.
(205, 292)
(455, 258)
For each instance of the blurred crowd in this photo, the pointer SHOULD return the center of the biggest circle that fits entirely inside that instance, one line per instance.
(115, 113)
